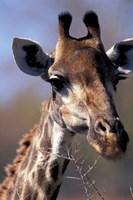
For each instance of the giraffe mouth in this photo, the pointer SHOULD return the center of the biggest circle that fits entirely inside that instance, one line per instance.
(81, 129)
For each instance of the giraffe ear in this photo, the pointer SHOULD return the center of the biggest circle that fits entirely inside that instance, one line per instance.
(30, 57)
(121, 55)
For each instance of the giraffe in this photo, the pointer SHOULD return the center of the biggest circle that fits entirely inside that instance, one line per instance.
(83, 78)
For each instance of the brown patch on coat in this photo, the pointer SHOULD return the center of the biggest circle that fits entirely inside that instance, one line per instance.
(12, 169)
(22, 151)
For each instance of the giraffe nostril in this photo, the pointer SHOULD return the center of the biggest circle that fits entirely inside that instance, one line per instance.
(101, 127)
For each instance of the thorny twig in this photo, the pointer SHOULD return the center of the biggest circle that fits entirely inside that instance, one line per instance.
(19, 195)
(131, 191)
(84, 175)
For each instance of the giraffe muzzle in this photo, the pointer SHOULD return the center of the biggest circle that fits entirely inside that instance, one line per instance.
(110, 140)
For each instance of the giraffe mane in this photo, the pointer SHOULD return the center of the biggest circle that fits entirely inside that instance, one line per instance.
(22, 151)
(12, 169)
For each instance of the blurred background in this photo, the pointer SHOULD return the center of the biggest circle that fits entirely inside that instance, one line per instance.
(21, 95)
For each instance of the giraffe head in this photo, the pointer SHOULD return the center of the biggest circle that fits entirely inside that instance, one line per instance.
(83, 78)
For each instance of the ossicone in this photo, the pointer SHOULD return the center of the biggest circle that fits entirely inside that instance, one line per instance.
(91, 21)
(65, 20)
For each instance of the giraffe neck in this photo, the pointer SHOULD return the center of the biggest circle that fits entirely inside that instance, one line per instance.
(42, 170)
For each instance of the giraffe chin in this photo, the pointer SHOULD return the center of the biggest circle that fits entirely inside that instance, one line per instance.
(110, 146)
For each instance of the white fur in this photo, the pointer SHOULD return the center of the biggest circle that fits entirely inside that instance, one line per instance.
(20, 56)
(61, 141)
(114, 53)
(129, 55)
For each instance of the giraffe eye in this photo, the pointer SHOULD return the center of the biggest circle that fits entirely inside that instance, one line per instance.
(56, 82)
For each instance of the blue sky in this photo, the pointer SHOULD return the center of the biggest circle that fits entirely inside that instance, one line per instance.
(37, 20)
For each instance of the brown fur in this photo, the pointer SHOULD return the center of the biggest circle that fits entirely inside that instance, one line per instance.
(83, 105)
(11, 170)
(22, 151)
